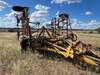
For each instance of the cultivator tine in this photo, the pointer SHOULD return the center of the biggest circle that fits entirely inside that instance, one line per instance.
(95, 54)
(68, 53)
(87, 60)
(83, 51)
(54, 45)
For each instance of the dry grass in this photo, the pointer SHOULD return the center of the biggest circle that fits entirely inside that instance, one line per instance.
(93, 39)
(12, 62)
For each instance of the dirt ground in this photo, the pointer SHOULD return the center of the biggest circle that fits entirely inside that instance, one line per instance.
(12, 62)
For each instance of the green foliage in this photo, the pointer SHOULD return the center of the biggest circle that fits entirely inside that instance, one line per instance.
(91, 31)
(98, 30)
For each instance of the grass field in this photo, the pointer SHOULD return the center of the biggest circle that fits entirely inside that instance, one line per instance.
(12, 62)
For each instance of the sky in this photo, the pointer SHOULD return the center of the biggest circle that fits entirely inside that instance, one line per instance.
(84, 14)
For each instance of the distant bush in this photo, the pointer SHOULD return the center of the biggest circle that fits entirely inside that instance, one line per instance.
(11, 30)
(98, 30)
(91, 31)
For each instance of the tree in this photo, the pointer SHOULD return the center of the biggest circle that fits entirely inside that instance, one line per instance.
(98, 30)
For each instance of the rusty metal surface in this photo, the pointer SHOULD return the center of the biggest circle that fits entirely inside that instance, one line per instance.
(55, 38)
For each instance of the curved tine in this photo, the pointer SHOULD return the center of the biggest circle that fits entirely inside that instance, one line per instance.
(94, 53)
(87, 60)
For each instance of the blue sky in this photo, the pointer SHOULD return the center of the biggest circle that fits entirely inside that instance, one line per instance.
(83, 13)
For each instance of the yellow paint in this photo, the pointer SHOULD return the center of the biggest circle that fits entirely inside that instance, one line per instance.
(68, 52)
(88, 61)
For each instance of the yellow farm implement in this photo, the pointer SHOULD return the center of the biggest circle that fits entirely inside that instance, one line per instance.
(57, 37)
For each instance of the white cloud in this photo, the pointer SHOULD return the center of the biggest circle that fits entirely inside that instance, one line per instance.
(74, 21)
(13, 13)
(3, 4)
(9, 17)
(76, 24)
(9, 20)
(41, 7)
(88, 13)
(38, 14)
(92, 24)
(65, 1)
(41, 11)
